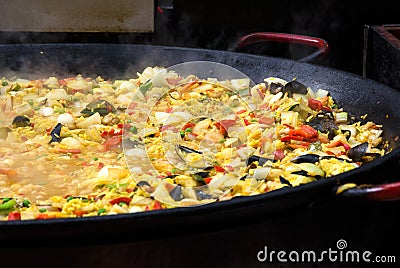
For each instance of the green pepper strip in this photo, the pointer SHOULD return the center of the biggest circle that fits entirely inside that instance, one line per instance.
(145, 87)
(8, 205)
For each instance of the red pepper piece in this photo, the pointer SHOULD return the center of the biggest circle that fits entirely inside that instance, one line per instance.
(316, 105)
(290, 137)
(113, 141)
(305, 131)
(44, 216)
(241, 111)
(323, 139)
(219, 169)
(288, 126)
(80, 213)
(118, 200)
(208, 180)
(157, 206)
(325, 108)
(188, 125)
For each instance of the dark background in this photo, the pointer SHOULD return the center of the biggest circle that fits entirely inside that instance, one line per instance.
(219, 24)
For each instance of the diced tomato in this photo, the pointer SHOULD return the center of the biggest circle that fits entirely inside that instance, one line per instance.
(63, 82)
(132, 106)
(219, 169)
(279, 154)
(169, 110)
(156, 206)
(266, 120)
(111, 142)
(224, 125)
(246, 122)
(168, 127)
(227, 123)
(229, 168)
(264, 106)
(100, 166)
(118, 200)
(316, 105)
(14, 216)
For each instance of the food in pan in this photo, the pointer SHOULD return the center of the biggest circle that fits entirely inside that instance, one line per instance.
(81, 147)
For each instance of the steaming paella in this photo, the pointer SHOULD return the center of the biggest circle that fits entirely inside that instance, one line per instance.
(79, 147)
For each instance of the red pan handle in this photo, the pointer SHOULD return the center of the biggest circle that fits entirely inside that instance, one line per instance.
(320, 44)
(381, 192)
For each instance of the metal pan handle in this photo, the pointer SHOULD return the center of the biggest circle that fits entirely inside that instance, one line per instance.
(381, 192)
(320, 44)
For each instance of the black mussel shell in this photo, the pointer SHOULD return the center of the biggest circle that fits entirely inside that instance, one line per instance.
(201, 195)
(300, 172)
(176, 193)
(55, 133)
(293, 87)
(102, 107)
(285, 181)
(21, 121)
(188, 150)
(143, 183)
(306, 158)
(324, 122)
(357, 152)
(275, 88)
(261, 160)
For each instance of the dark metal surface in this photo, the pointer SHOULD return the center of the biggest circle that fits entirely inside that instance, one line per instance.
(358, 95)
(364, 226)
